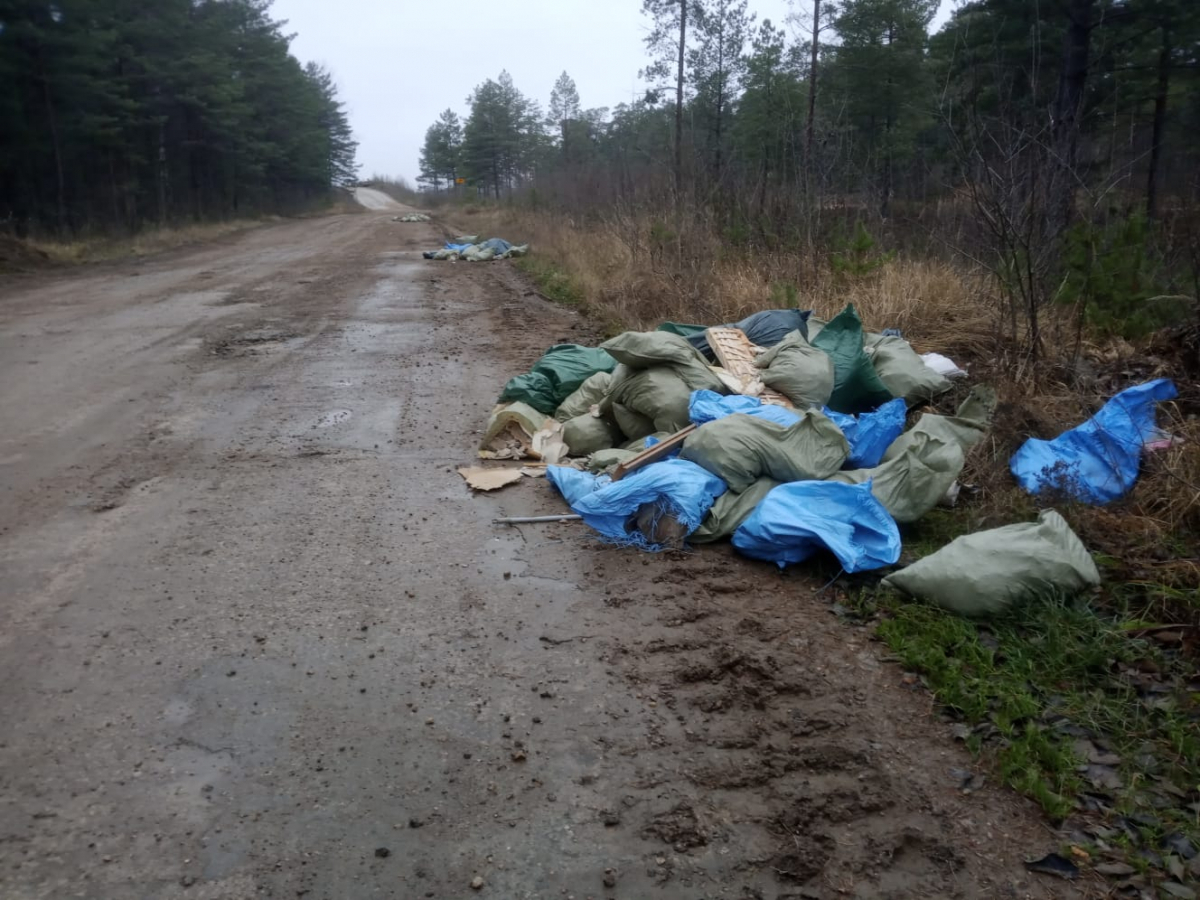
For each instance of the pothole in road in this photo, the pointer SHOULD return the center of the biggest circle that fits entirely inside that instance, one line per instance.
(331, 418)
(251, 342)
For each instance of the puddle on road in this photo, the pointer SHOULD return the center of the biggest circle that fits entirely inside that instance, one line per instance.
(334, 417)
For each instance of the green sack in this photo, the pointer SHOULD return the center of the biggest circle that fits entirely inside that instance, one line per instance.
(798, 370)
(911, 484)
(983, 573)
(646, 349)
(633, 425)
(590, 393)
(658, 394)
(563, 369)
(856, 387)
(533, 389)
(740, 449)
(684, 331)
(904, 373)
(586, 434)
(966, 429)
(604, 460)
(730, 510)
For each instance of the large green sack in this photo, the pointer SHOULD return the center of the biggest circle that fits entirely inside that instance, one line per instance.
(798, 370)
(681, 329)
(741, 449)
(591, 393)
(558, 374)
(983, 573)
(586, 434)
(966, 429)
(647, 349)
(659, 394)
(730, 510)
(856, 387)
(904, 373)
(911, 484)
(633, 425)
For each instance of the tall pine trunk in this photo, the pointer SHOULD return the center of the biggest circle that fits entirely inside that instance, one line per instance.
(1160, 118)
(683, 10)
(812, 87)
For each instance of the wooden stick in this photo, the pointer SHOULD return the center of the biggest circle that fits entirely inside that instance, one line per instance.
(533, 520)
(652, 454)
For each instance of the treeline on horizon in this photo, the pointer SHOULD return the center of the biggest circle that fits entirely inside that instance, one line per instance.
(1054, 143)
(122, 113)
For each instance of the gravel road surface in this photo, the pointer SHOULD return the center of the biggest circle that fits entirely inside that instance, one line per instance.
(257, 639)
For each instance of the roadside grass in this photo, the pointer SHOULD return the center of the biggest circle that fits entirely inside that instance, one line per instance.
(102, 248)
(554, 283)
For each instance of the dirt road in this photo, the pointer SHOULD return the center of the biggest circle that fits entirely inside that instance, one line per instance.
(258, 640)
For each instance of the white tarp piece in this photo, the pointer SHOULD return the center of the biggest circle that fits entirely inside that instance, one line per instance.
(943, 365)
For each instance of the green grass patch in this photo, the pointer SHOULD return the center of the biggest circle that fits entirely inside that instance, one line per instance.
(552, 281)
(1036, 681)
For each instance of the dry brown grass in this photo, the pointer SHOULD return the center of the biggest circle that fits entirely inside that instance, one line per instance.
(102, 247)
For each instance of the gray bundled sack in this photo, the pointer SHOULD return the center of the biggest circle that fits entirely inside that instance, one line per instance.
(904, 373)
(966, 429)
(658, 395)
(740, 449)
(590, 393)
(798, 370)
(911, 484)
(647, 349)
(984, 573)
(586, 434)
(730, 510)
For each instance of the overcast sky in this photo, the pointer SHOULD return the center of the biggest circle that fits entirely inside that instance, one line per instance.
(398, 63)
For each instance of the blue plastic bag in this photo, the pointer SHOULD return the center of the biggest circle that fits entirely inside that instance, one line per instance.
(870, 434)
(677, 488)
(796, 520)
(1098, 461)
(708, 406)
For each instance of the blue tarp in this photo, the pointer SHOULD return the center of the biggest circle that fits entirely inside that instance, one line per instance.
(707, 406)
(796, 520)
(870, 434)
(676, 487)
(1098, 461)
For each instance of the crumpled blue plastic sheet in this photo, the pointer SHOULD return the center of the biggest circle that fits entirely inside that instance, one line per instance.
(677, 488)
(796, 520)
(1097, 462)
(708, 406)
(871, 433)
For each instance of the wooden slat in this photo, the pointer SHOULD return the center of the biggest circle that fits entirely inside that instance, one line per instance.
(651, 454)
(736, 355)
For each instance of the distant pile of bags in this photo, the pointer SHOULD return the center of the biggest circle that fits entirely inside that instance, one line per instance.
(471, 249)
(411, 217)
(836, 473)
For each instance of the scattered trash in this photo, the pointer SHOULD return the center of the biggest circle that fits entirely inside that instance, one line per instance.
(471, 249)
(411, 217)
(792, 444)
(983, 573)
(480, 479)
(1097, 462)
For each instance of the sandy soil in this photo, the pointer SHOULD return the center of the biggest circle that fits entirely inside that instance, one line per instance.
(258, 640)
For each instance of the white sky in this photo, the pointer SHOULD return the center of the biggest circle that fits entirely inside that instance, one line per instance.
(399, 63)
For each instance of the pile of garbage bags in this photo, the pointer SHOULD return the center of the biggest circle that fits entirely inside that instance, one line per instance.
(411, 217)
(828, 467)
(471, 249)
